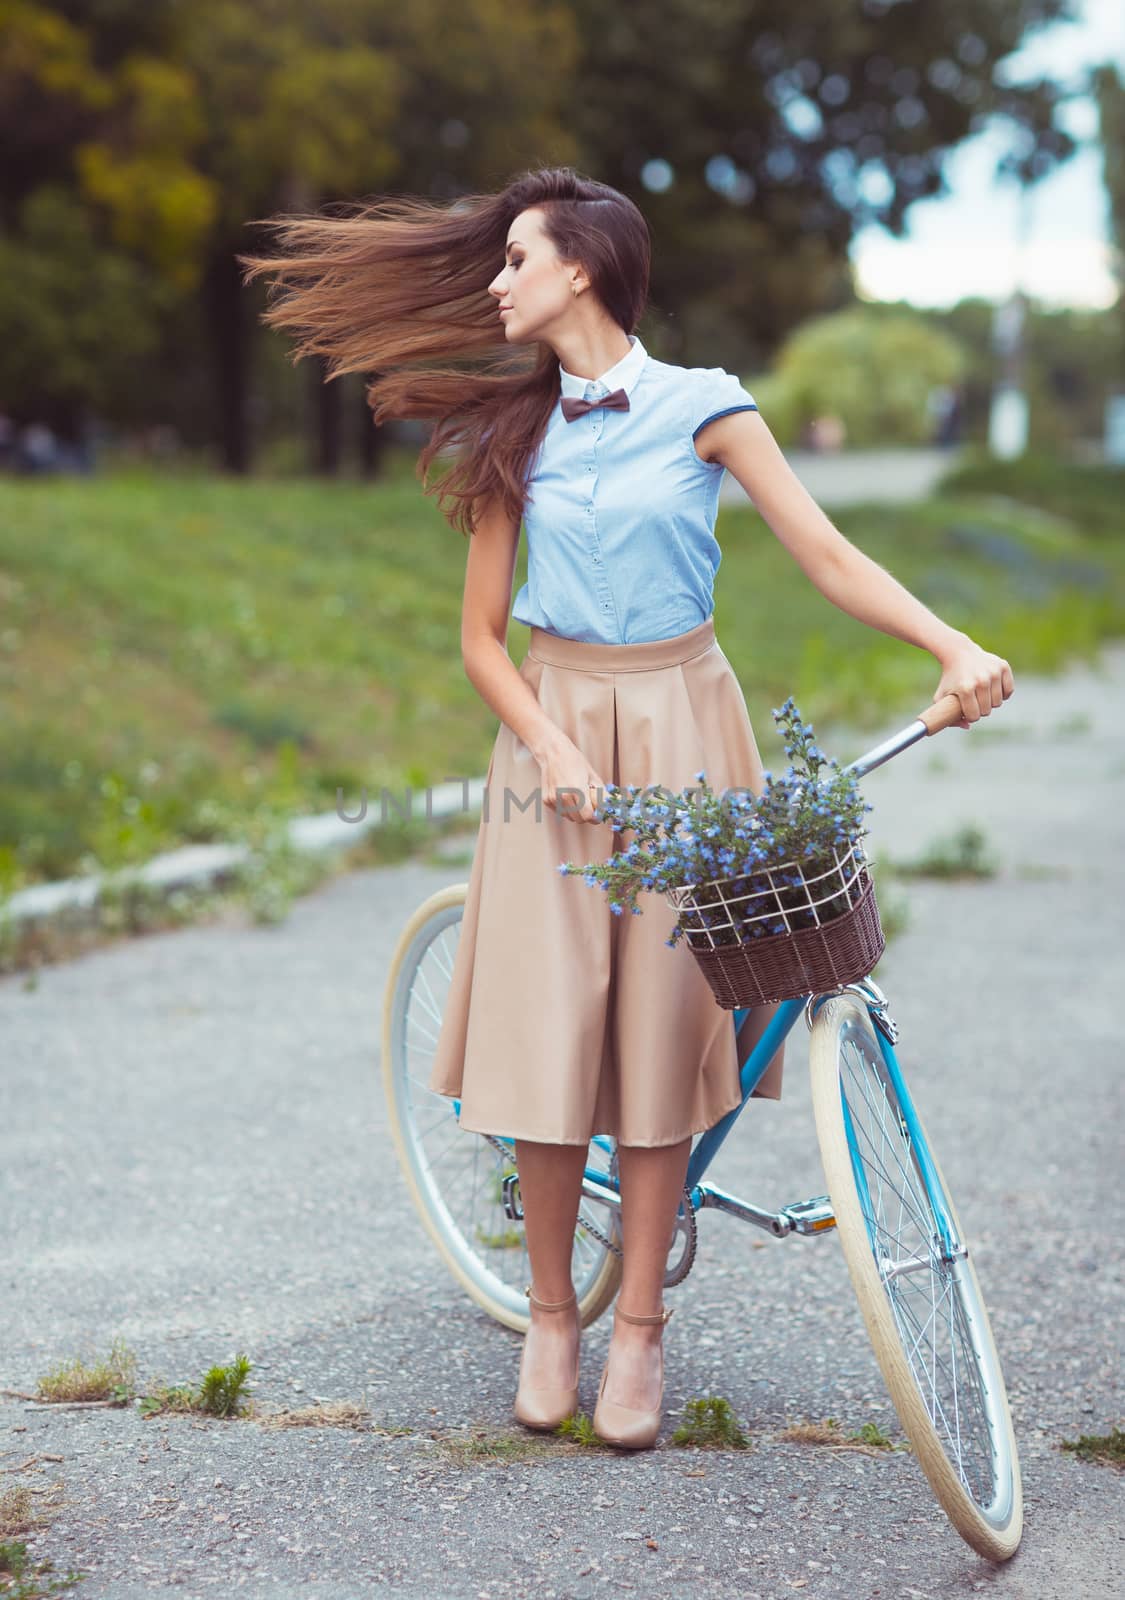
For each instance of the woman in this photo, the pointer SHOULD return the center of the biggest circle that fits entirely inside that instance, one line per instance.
(562, 1021)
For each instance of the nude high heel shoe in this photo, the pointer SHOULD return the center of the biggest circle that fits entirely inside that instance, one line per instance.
(545, 1408)
(624, 1426)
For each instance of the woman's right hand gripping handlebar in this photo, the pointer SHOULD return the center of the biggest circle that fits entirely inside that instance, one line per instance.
(571, 786)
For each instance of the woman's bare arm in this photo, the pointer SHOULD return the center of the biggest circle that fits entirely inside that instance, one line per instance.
(844, 574)
(485, 610)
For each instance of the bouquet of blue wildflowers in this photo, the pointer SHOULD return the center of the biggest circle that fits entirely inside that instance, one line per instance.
(740, 866)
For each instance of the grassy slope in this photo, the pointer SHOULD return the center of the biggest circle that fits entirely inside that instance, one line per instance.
(174, 650)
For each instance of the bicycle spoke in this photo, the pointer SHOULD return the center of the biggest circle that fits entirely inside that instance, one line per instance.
(461, 1171)
(920, 1285)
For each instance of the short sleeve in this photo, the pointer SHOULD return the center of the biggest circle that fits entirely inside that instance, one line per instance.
(716, 392)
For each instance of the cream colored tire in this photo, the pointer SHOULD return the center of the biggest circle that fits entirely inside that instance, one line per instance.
(494, 1279)
(843, 1024)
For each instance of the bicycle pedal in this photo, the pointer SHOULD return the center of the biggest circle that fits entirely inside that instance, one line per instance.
(510, 1197)
(810, 1216)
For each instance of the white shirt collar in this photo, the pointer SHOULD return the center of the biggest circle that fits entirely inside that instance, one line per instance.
(622, 376)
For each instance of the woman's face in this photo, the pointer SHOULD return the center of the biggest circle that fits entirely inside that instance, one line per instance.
(534, 282)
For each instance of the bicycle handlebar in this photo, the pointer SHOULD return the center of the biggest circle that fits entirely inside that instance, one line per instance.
(944, 713)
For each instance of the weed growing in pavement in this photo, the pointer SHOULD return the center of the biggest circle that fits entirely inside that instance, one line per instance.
(710, 1424)
(16, 1512)
(1101, 1447)
(481, 1445)
(578, 1428)
(962, 855)
(19, 1581)
(219, 1394)
(867, 1439)
(113, 1379)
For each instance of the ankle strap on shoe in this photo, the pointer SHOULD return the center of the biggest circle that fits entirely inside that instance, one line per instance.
(550, 1305)
(660, 1316)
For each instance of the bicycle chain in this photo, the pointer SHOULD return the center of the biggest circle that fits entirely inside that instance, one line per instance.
(603, 1239)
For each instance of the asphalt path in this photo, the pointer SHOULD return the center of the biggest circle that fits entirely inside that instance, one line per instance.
(858, 477)
(195, 1157)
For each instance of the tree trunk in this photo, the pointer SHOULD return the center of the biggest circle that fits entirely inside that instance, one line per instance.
(372, 440)
(326, 410)
(223, 297)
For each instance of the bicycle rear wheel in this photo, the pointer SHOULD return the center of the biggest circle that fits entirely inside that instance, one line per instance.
(456, 1178)
(924, 1312)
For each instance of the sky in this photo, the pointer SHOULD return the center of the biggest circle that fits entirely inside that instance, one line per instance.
(968, 242)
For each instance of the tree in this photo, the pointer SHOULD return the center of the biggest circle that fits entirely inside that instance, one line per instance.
(871, 367)
(757, 138)
(762, 135)
(175, 125)
(1109, 91)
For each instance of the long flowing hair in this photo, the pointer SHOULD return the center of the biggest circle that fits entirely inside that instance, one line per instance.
(394, 285)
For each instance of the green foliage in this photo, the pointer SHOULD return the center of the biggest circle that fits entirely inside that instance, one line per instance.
(498, 1449)
(113, 1378)
(132, 605)
(221, 1387)
(871, 370)
(579, 1429)
(1089, 498)
(174, 126)
(710, 1424)
(871, 1433)
(751, 237)
(1108, 1448)
(964, 854)
(1108, 84)
(168, 1397)
(21, 1581)
(77, 314)
(219, 1393)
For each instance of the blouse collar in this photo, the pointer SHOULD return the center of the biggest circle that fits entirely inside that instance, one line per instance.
(621, 376)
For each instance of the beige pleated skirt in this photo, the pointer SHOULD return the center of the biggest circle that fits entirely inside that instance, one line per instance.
(563, 1020)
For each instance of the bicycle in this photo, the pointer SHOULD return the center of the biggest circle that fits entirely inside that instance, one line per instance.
(887, 1199)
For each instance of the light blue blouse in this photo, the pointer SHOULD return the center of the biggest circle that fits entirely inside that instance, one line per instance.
(621, 510)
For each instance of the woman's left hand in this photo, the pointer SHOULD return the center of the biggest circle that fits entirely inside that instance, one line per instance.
(980, 680)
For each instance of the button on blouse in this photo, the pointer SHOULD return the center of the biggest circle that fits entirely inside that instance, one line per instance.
(621, 510)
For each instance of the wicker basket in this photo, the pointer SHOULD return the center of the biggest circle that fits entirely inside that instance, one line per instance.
(783, 931)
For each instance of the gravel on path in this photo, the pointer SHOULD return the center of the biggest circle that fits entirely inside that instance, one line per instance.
(196, 1158)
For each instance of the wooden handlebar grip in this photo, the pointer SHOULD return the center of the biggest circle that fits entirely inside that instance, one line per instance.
(944, 713)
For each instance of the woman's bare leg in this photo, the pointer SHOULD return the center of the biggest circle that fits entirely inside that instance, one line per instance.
(652, 1183)
(550, 1189)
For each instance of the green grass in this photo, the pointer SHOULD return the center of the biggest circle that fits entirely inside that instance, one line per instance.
(219, 1393)
(19, 1580)
(182, 656)
(113, 1378)
(1099, 1447)
(1092, 495)
(498, 1448)
(709, 1423)
(963, 854)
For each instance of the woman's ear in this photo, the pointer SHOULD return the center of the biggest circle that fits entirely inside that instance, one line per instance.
(579, 281)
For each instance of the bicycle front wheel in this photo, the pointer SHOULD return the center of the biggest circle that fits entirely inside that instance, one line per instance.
(924, 1312)
(462, 1182)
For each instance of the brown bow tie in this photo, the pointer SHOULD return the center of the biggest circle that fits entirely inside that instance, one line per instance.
(573, 407)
